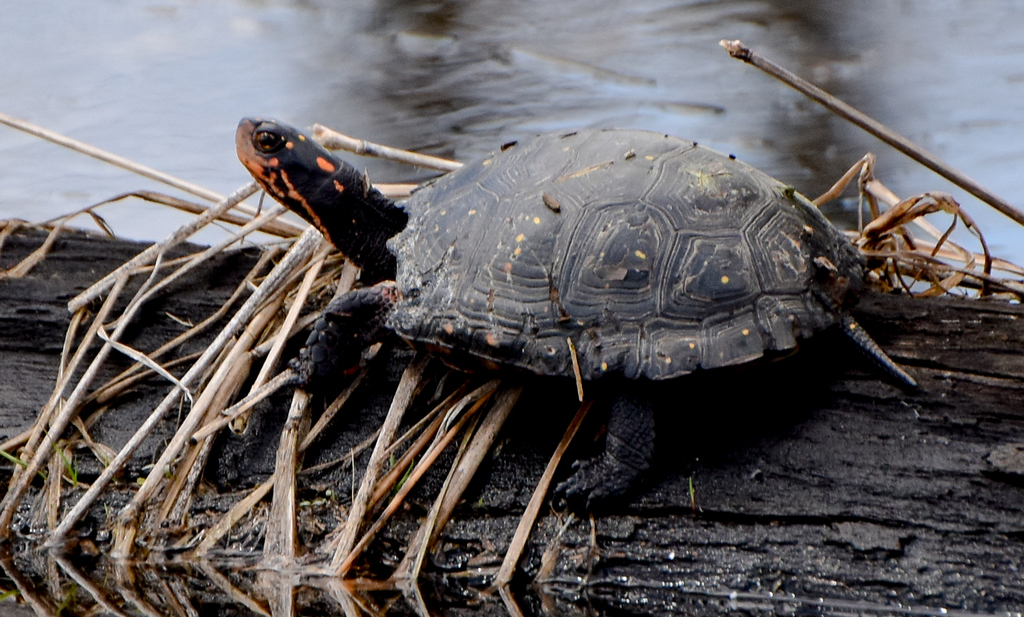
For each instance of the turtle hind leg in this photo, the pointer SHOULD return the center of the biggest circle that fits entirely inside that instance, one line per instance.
(859, 335)
(349, 324)
(629, 452)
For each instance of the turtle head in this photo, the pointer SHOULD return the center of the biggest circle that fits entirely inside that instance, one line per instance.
(327, 192)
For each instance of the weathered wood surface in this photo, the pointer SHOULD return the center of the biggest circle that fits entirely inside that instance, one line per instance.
(811, 476)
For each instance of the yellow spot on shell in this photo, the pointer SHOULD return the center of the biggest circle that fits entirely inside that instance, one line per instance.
(668, 360)
(853, 326)
(473, 211)
(518, 251)
(692, 345)
(302, 137)
(536, 220)
(640, 254)
(604, 366)
(725, 280)
(746, 332)
(492, 340)
(520, 238)
(649, 157)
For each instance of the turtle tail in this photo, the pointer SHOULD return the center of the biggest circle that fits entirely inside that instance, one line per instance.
(863, 340)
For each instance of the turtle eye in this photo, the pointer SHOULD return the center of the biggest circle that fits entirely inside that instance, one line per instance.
(267, 141)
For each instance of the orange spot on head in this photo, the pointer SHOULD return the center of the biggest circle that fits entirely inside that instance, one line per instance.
(273, 162)
(289, 145)
(339, 186)
(491, 339)
(324, 164)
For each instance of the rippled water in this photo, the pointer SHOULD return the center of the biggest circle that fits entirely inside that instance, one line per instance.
(165, 83)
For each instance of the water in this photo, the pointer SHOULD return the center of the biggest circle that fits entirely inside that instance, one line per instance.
(165, 83)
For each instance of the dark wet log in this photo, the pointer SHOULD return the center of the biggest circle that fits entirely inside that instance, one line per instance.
(812, 476)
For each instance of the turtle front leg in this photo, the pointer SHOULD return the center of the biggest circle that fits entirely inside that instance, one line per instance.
(628, 453)
(350, 323)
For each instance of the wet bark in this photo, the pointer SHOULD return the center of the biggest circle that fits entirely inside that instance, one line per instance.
(814, 476)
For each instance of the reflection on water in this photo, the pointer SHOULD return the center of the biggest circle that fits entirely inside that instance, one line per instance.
(165, 85)
(46, 585)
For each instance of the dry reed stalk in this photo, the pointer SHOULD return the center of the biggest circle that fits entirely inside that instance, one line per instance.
(108, 157)
(281, 542)
(510, 603)
(455, 484)
(300, 251)
(408, 386)
(477, 398)
(25, 265)
(526, 521)
(336, 141)
(740, 51)
(198, 259)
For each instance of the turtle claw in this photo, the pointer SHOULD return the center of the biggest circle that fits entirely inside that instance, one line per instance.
(594, 481)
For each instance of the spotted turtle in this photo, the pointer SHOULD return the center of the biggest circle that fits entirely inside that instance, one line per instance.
(651, 256)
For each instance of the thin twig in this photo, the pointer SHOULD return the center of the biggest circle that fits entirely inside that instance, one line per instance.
(740, 51)
(333, 140)
(109, 157)
(515, 549)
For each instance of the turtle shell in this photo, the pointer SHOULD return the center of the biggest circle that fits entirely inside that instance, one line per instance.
(654, 256)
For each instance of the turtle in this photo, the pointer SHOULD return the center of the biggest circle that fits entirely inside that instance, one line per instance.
(633, 255)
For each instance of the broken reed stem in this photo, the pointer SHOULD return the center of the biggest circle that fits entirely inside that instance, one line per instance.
(740, 51)
(299, 252)
(336, 141)
(109, 157)
(25, 265)
(49, 430)
(526, 521)
(148, 255)
(407, 388)
(281, 541)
